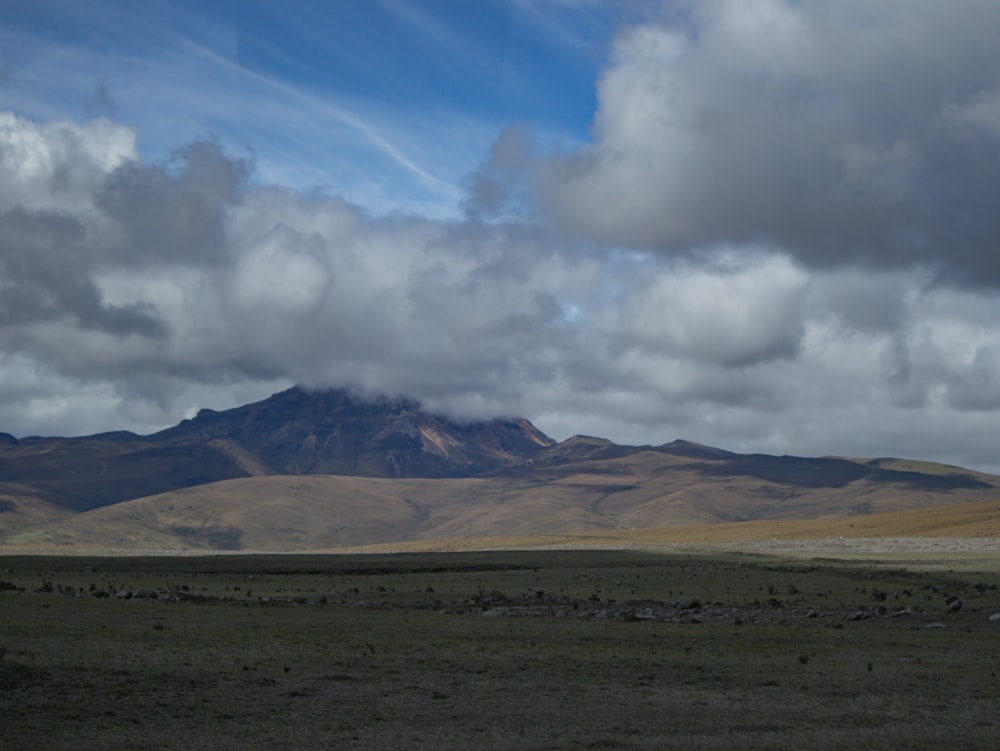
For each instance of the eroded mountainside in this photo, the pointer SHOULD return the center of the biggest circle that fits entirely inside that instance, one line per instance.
(297, 431)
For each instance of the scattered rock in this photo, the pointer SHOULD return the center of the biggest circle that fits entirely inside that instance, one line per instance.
(995, 618)
(512, 612)
(936, 625)
(954, 604)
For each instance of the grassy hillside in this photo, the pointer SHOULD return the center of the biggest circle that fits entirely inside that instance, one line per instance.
(644, 496)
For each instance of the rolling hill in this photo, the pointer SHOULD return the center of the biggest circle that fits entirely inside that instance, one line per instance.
(581, 486)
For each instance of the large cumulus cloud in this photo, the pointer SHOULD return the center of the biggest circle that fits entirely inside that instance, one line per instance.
(186, 271)
(847, 132)
(157, 276)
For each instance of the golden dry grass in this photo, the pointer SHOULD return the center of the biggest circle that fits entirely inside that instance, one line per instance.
(976, 520)
(645, 498)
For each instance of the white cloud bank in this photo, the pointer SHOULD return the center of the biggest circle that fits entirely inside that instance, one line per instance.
(779, 241)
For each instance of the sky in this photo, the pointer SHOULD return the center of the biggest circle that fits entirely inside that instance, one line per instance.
(763, 225)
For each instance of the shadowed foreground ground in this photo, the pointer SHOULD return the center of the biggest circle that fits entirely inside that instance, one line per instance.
(533, 650)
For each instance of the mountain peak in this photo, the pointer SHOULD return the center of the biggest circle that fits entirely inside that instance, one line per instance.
(693, 450)
(336, 431)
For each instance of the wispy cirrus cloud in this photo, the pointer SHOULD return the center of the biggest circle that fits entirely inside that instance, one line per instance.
(300, 134)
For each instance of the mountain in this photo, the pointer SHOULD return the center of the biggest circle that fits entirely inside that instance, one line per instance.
(335, 432)
(324, 469)
(635, 488)
(293, 432)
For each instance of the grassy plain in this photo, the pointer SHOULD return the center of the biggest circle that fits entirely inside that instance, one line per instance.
(496, 650)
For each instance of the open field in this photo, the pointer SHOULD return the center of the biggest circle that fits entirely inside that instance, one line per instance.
(497, 650)
(964, 535)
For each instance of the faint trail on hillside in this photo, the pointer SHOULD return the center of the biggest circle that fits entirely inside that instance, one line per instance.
(421, 514)
(606, 515)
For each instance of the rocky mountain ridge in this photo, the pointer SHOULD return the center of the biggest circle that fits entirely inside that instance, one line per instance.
(296, 431)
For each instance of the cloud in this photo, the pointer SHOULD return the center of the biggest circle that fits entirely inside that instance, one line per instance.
(184, 270)
(729, 313)
(307, 135)
(57, 165)
(975, 385)
(172, 213)
(771, 245)
(496, 189)
(48, 172)
(849, 133)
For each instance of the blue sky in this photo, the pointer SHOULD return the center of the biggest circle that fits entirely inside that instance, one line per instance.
(388, 103)
(764, 225)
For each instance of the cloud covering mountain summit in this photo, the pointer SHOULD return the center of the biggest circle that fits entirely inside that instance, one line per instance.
(778, 240)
